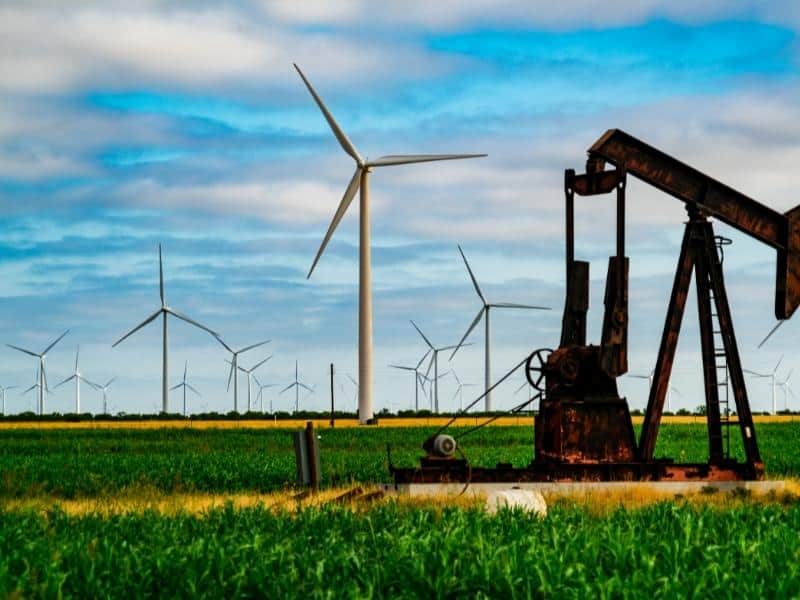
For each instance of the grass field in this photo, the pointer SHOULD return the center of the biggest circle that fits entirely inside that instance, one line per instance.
(180, 512)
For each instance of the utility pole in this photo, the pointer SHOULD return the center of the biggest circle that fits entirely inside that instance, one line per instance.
(332, 418)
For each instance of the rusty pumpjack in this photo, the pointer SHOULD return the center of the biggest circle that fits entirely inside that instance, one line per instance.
(583, 430)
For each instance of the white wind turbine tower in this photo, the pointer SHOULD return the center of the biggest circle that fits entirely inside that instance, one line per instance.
(360, 181)
(104, 390)
(78, 377)
(435, 362)
(234, 371)
(773, 382)
(484, 313)
(296, 384)
(671, 388)
(249, 373)
(185, 385)
(3, 391)
(417, 376)
(42, 375)
(260, 395)
(164, 311)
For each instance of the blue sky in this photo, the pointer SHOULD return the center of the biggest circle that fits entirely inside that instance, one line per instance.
(122, 126)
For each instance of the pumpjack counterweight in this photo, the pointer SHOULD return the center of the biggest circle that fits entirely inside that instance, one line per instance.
(583, 429)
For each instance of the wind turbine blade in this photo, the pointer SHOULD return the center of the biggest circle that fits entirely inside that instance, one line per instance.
(453, 346)
(475, 322)
(254, 346)
(77, 354)
(110, 381)
(137, 328)
(754, 373)
(676, 390)
(160, 275)
(350, 377)
(771, 331)
(407, 159)
(346, 144)
(789, 376)
(224, 345)
(456, 394)
(50, 347)
(287, 388)
(303, 385)
(185, 368)
(349, 194)
(456, 377)
(33, 387)
(70, 378)
(419, 331)
(424, 356)
(44, 376)
(519, 389)
(402, 367)
(230, 376)
(253, 368)
(190, 321)
(23, 350)
(175, 387)
(780, 360)
(639, 376)
(430, 364)
(472, 276)
(513, 305)
(194, 390)
(96, 386)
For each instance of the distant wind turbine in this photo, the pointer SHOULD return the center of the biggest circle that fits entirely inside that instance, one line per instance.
(37, 385)
(787, 390)
(435, 362)
(185, 385)
(417, 376)
(460, 390)
(772, 378)
(671, 388)
(164, 311)
(42, 376)
(484, 313)
(3, 391)
(260, 395)
(78, 377)
(249, 373)
(104, 390)
(360, 181)
(296, 384)
(234, 371)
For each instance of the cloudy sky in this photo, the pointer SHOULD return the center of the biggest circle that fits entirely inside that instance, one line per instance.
(123, 125)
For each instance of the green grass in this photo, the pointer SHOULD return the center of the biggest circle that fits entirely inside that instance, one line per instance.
(91, 463)
(662, 551)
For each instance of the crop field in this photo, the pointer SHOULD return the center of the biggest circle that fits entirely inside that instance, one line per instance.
(53, 545)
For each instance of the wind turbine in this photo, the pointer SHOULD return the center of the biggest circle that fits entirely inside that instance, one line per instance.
(297, 384)
(260, 395)
(249, 373)
(787, 390)
(360, 181)
(771, 377)
(671, 388)
(164, 311)
(184, 384)
(435, 362)
(416, 372)
(460, 390)
(3, 391)
(42, 376)
(355, 391)
(484, 313)
(37, 385)
(234, 372)
(104, 390)
(78, 378)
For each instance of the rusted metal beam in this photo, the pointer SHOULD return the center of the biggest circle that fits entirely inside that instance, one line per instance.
(666, 352)
(716, 199)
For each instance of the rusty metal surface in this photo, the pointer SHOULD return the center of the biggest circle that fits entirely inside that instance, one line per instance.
(678, 179)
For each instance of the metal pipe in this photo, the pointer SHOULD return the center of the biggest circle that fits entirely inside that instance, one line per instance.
(365, 406)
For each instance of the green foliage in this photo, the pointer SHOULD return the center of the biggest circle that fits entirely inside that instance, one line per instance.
(92, 462)
(663, 551)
